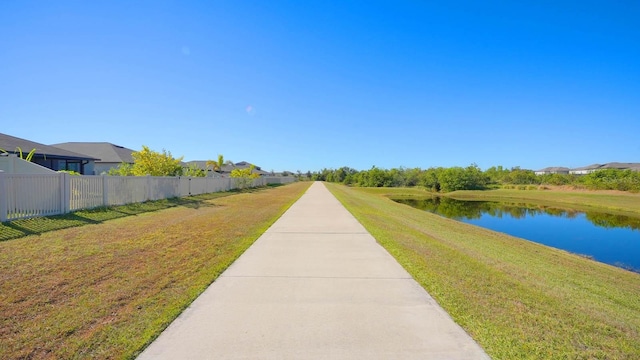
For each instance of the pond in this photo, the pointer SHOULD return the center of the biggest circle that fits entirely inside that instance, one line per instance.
(609, 238)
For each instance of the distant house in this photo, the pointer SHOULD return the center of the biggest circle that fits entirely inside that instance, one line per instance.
(202, 165)
(226, 169)
(109, 155)
(244, 165)
(552, 170)
(622, 166)
(613, 165)
(48, 156)
(585, 169)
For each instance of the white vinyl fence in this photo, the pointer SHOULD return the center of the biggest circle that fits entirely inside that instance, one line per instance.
(25, 196)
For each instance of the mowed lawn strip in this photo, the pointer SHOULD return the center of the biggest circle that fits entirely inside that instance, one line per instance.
(109, 289)
(518, 299)
(39, 225)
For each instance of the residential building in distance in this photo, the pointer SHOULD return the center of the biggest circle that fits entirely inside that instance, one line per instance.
(612, 165)
(109, 155)
(49, 156)
(226, 169)
(552, 170)
(585, 169)
(589, 169)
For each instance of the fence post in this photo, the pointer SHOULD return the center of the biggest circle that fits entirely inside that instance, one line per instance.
(105, 191)
(4, 198)
(65, 192)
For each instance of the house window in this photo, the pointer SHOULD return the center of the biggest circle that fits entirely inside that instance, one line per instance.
(69, 165)
(73, 166)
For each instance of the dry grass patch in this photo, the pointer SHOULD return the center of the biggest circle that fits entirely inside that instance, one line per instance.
(108, 289)
(518, 299)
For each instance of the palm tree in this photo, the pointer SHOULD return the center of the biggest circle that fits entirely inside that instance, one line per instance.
(217, 165)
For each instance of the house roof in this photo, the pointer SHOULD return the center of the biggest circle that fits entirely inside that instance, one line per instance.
(622, 166)
(553, 168)
(11, 143)
(590, 167)
(106, 152)
(243, 165)
(201, 164)
(611, 165)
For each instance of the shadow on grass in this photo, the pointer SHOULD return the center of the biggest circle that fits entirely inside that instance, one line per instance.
(35, 226)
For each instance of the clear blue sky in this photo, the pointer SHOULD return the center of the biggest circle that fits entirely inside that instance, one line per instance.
(302, 85)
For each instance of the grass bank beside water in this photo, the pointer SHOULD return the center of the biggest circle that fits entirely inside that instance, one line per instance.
(604, 201)
(518, 299)
(111, 280)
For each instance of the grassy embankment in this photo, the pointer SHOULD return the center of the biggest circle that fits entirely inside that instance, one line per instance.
(518, 299)
(107, 289)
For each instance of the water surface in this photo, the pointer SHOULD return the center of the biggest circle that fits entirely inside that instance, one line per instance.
(609, 238)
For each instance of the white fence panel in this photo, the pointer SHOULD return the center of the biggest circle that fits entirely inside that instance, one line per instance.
(85, 192)
(28, 196)
(31, 195)
(220, 184)
(163, 187)
(184, 186)
(123, 190)
(198, 186)
(279, 180)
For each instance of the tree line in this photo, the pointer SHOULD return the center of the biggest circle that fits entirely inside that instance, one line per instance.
(441, 179)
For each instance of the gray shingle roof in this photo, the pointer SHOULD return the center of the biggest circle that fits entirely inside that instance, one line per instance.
(611, 165)
(590, 167)
(106, 152)
(11, 143)
(617, 165)
(554, 168)
(201, 164)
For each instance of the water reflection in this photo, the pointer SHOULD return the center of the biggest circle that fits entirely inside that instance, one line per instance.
(609, 238)
(469, 210)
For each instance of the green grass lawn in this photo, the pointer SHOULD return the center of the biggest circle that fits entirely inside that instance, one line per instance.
(518, 299)
(104, 283)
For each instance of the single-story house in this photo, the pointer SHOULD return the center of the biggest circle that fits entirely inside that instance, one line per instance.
(244, 165)
(48, 156)
(109, 155)
(612, 165)
(226, 169)
(552, 170)
(585, 169)
(622, 166)
(202, 165)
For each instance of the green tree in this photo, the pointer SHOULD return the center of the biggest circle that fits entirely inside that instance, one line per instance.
(194, 171)
(244, 177)
(125, 169)
(149, 162)
(521, 177)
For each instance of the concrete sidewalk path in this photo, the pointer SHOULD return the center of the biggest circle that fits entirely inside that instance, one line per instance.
(316, 285)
